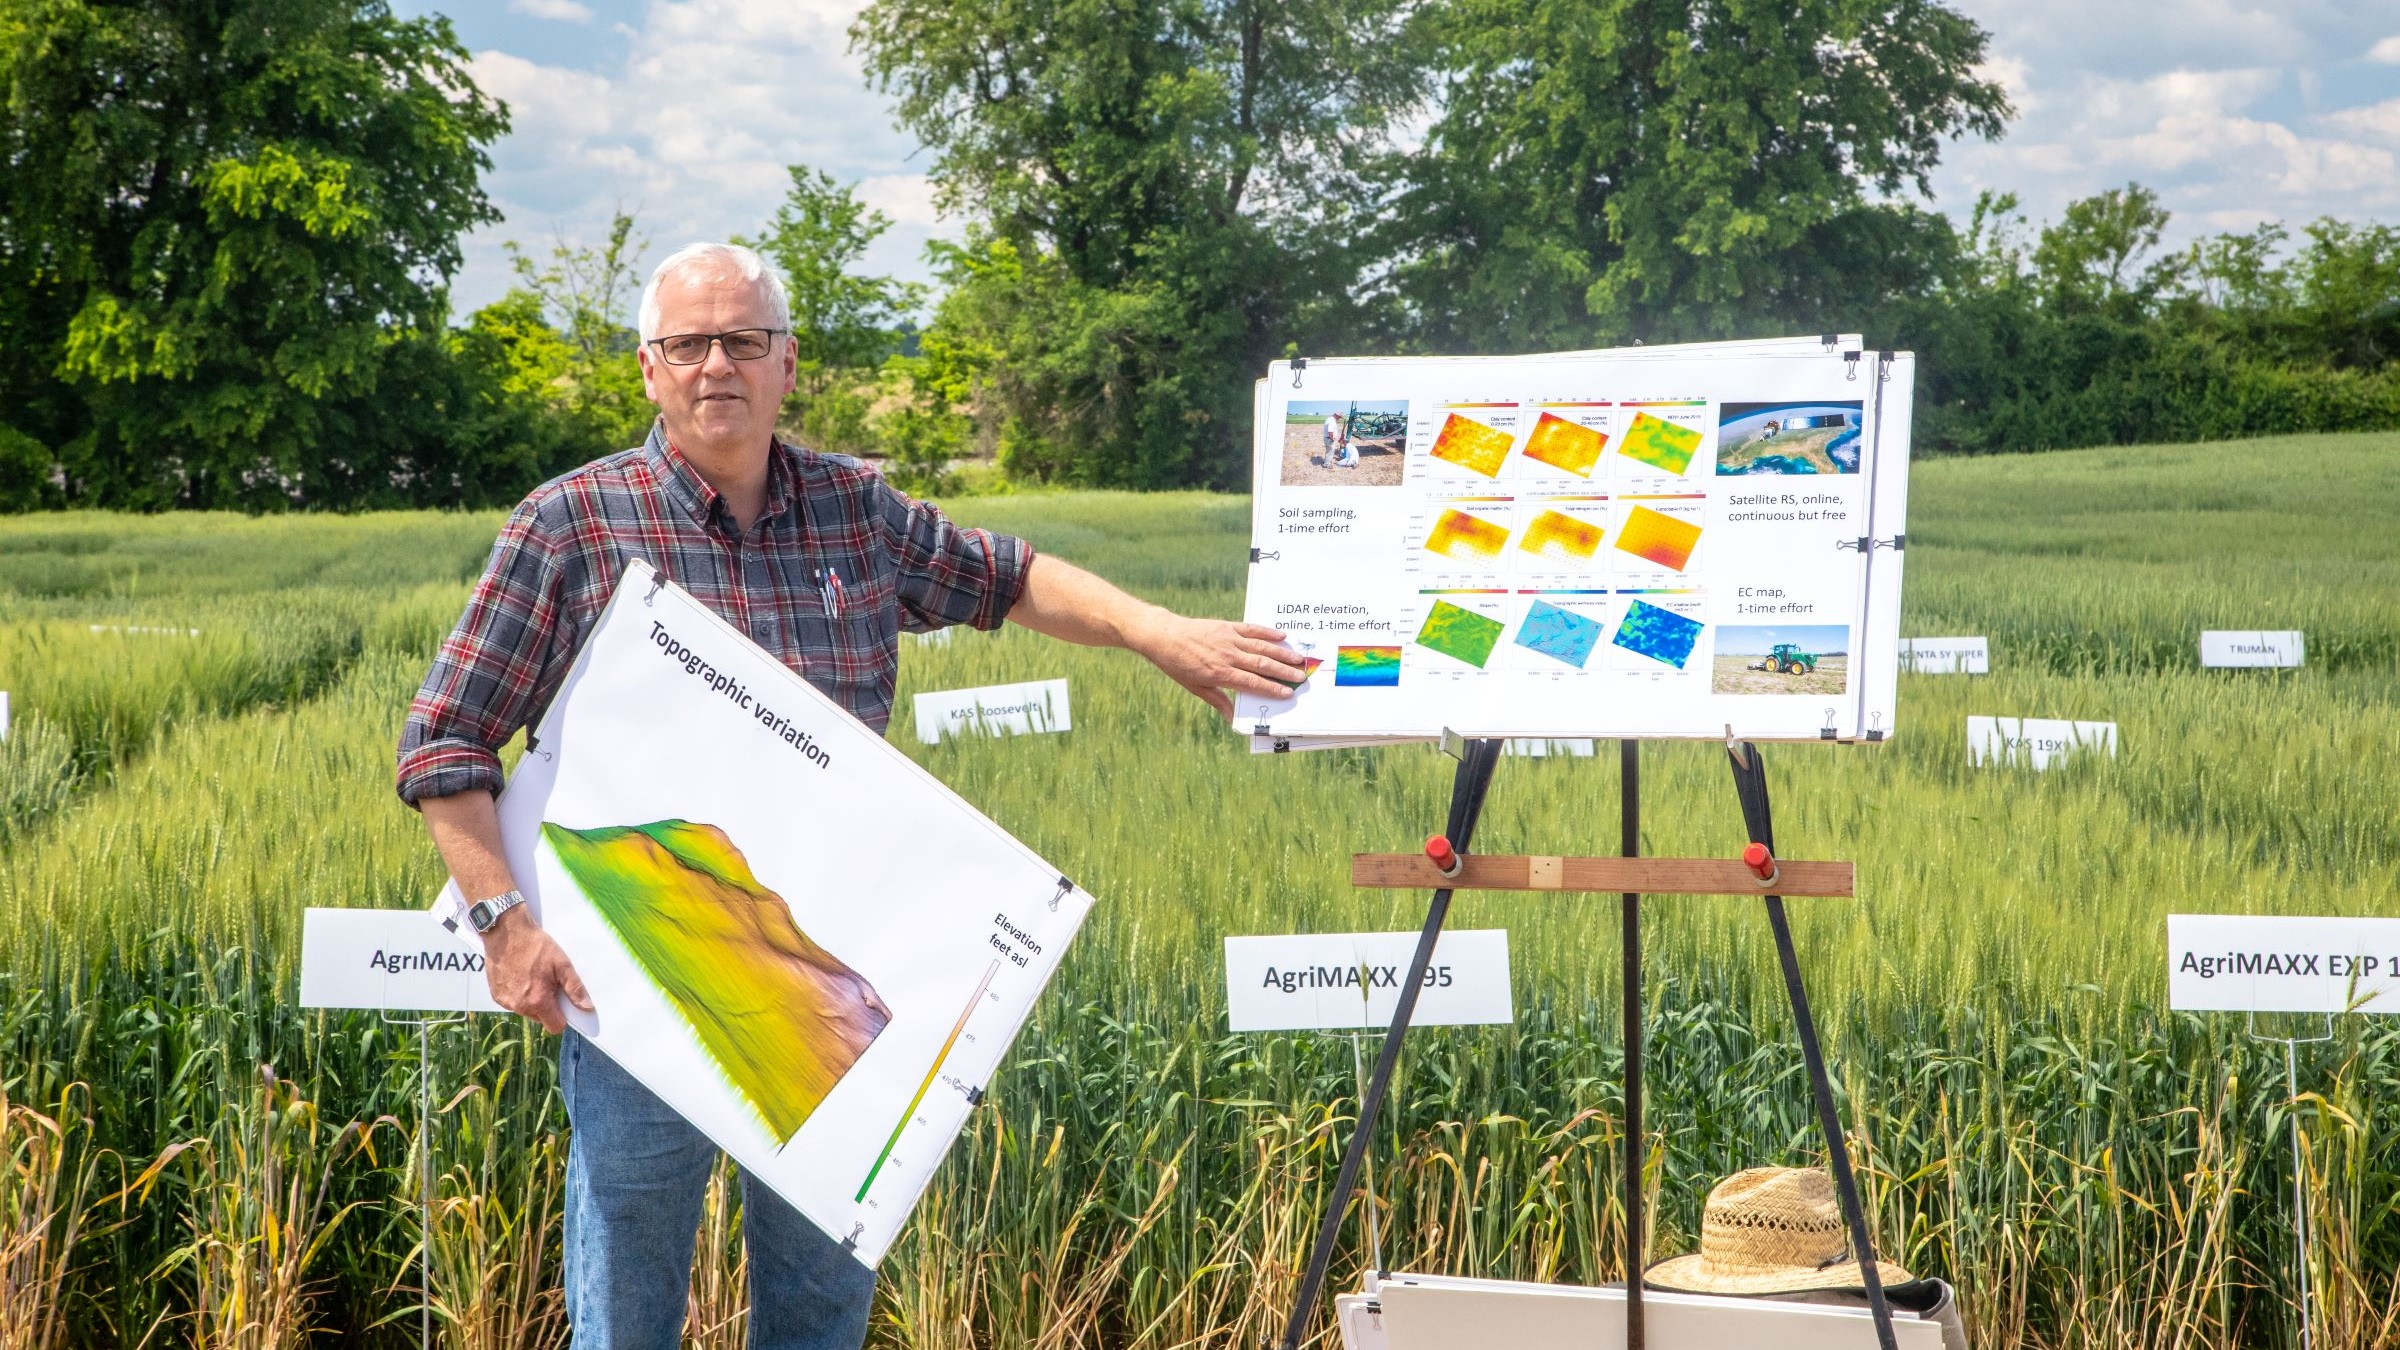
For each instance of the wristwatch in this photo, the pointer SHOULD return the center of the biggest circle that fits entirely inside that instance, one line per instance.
(484, 913)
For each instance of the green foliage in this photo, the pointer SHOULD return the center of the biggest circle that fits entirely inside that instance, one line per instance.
(25, 469)
(842, 320)
(1631, 169)
(917, 430)
(2087, 336)
(1181, 200)
(835, 418)
(567, 345)
(1171, 190)
(219, 226)
(225, 230)
(2088, 260)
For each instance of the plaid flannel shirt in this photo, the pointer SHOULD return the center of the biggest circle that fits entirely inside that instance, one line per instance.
(901, 564)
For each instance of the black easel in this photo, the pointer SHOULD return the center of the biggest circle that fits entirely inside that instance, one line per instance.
(1469, 786)
(1750, 781)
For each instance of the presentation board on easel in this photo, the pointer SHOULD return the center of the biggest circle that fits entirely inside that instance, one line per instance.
(1667, 542)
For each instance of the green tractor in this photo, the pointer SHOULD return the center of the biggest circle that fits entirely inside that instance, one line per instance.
(1787, 659)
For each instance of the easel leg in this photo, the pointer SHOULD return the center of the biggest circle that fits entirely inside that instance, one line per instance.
(1750, 781)
(1473, 779)
(1629, 761)
(1358, 1064)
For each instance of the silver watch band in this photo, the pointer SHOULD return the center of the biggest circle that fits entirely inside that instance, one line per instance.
(484, 913)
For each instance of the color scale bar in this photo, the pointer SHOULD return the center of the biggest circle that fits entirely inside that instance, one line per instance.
(1472, 590)
(930, 1074)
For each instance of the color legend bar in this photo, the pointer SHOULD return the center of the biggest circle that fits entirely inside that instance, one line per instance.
(973, 1001)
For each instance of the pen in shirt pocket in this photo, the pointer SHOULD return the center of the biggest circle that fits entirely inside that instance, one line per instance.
(831, 590)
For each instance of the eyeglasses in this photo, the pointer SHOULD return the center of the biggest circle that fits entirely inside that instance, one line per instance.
(690, 349)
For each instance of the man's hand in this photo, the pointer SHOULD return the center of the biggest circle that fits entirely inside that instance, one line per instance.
(1212, 656)
(528, 971)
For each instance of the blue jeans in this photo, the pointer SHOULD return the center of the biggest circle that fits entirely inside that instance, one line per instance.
(636, 1177)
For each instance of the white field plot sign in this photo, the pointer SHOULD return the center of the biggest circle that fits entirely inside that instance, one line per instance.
(1031, 708)
(390, 958)
(1946, 656)
(2270, 963)
(1351, 981)
(2036, 742)
(2221, 649)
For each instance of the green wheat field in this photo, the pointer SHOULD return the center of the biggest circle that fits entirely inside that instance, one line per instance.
(191, 1159)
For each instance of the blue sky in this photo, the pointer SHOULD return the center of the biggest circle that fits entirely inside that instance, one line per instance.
(687, 112)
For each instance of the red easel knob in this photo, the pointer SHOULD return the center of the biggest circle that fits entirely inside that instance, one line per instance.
(1760, 862)
(1444, 857)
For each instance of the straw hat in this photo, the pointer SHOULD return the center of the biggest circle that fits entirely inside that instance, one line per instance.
(1769, 1230)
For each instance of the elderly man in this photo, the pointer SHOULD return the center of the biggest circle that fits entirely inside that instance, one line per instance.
(748, 524)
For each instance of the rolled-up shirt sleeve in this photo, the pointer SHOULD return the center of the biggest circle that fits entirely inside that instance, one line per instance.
(492, 672)
(948, 573)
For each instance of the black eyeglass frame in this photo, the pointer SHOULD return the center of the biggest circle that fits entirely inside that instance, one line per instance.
(716, 340)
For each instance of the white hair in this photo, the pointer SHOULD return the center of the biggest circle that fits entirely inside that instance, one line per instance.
(743, 262)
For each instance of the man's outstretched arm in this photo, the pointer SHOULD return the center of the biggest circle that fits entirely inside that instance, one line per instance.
(1214, 658)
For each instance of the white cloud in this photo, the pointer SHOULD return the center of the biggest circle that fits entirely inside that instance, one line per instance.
(2386, 52)
(2379, 120)
(565, 10)
(548, 102)
(2013, 74)
(907, 198)
(2213, 104)
(2320, 170)
(693, 130)
(2121, 39)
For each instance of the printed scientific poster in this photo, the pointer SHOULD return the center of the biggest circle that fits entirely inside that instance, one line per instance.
(1642, 542)
(796, 937)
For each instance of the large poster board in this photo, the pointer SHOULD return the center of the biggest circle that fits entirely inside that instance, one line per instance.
(1670, 542)
(791, 933)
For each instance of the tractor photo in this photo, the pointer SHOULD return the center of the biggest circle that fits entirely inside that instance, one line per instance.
(1787, 659)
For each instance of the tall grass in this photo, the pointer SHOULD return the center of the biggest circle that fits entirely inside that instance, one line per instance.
(2094, 1171)
(257, 1205)
(48, 1176)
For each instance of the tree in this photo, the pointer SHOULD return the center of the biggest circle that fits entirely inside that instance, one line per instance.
(1605, 170)
(842, 319)
(564, 331)
(1170, 192)
(2092, 256)
(216, 221)
(844, 322)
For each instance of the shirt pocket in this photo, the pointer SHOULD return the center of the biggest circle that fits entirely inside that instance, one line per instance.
(850, 648)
